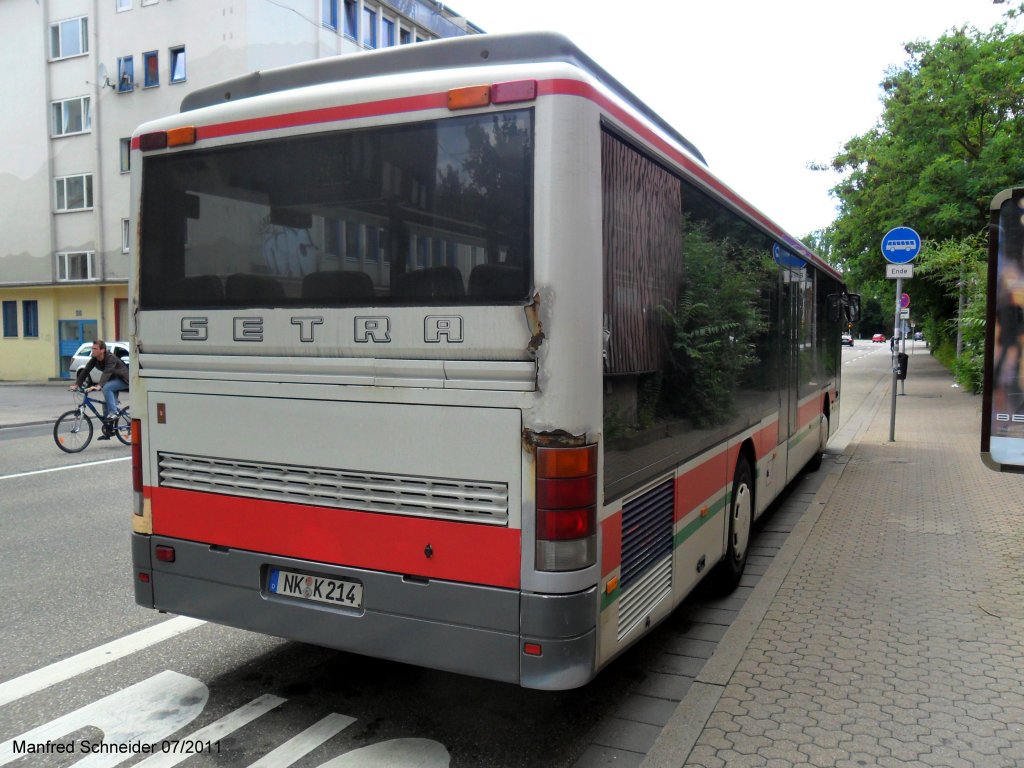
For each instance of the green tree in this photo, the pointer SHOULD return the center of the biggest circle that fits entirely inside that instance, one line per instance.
(950, 137)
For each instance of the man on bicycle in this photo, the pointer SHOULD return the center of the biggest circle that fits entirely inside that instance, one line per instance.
(113, 379)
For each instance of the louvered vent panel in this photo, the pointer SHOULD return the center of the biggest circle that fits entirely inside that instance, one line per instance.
(441, 498)
(646, 532)
(646, 572)
(647, 592)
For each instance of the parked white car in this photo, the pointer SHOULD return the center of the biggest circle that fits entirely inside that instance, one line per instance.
(84, 352)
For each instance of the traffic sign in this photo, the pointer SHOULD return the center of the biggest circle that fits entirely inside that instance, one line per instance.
(901, 245)
(904, 300)
(892, 271)
(904, 313)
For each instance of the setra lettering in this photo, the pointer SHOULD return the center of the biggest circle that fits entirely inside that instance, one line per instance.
(366, 329)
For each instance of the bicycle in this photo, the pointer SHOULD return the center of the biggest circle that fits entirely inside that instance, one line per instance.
(73, 430)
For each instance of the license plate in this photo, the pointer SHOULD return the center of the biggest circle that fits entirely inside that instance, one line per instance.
(334, 591)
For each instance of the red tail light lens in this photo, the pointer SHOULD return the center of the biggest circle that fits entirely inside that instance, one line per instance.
(164, 553)
(566, 528)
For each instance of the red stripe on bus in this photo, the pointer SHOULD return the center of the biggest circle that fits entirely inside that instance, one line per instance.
(327, 115)
(466, 552)
(766, 440)
(701, 483)
(611, 543)
(807, 412)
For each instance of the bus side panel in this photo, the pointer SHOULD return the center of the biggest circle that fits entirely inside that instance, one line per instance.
(695, 498)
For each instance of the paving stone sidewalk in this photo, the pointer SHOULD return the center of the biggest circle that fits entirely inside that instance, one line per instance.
(894, 634)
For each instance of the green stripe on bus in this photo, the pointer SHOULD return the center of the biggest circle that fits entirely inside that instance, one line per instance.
(695, 525)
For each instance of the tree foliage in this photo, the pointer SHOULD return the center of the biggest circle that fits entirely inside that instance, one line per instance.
(950, 137)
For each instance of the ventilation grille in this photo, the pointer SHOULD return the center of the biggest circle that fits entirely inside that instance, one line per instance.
(646, 570)
(640, 599)
(646, 531)
(444, 499)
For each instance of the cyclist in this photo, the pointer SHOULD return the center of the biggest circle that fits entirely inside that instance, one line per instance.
(113, 379)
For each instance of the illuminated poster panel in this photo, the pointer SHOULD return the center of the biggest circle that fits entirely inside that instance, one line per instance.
(1002, 429)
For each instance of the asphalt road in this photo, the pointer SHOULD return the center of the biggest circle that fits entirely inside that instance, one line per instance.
(66, 582)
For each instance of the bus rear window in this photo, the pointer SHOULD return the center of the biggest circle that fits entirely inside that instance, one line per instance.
(427, 213)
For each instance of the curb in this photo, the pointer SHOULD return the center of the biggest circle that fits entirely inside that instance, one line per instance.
(677, 739)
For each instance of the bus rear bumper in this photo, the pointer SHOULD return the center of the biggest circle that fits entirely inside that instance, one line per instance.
(463, 628)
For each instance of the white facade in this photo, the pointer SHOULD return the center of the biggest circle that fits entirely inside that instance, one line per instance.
(81, 75)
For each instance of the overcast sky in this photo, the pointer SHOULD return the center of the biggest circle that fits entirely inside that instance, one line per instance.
(762, 88)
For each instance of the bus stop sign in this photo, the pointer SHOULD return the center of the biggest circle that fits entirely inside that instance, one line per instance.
(901, 245)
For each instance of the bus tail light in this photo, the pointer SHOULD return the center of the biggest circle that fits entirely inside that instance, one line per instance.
(566, 508)
(510, 92)
(175, 137)
(137, 465)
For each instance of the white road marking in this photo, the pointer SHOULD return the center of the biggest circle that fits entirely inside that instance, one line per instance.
(302, 744)
(408, 753)
(125, 717)
(216, 730)
(61, 469)
(60, 671)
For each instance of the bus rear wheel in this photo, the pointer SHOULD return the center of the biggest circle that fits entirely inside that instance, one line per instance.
(741, 519)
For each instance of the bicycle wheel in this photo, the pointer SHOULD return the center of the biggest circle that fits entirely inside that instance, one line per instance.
(72, 432)
(123, 426)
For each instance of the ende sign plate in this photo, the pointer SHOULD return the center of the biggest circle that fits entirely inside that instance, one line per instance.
(892, 271)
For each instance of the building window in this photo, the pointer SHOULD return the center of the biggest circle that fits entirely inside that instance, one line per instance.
(329, 11)
(73, 193)
(126, 234)
(75, 265)
(150, 2)
(178, 64)
(30, 319)
(123, 5)
(387, 33)
(150, 69)
(10, 319)
(369, 27)
(404, 37)
(126, 155)
(71, 116)
(352, 19)
(69, 38)
(125, 74)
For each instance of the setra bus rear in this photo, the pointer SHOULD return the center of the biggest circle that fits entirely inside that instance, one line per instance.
(352, 430)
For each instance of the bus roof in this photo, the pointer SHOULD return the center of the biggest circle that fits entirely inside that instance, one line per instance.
(472, 50)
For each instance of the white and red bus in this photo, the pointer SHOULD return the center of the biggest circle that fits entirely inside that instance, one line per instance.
(457, 354)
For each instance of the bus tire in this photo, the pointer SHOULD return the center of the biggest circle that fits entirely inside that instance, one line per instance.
(727, 573)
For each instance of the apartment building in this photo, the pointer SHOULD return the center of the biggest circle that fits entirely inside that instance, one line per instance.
(81, 75)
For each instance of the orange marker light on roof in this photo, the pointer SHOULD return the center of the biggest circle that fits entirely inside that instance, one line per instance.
(177, 137)
(467, 98)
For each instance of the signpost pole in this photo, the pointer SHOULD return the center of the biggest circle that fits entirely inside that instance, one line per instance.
(900, 247)
(895, 324)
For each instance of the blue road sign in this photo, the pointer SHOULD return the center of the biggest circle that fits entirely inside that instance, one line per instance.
(787, 259)
(904, 301)
(901, 245)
